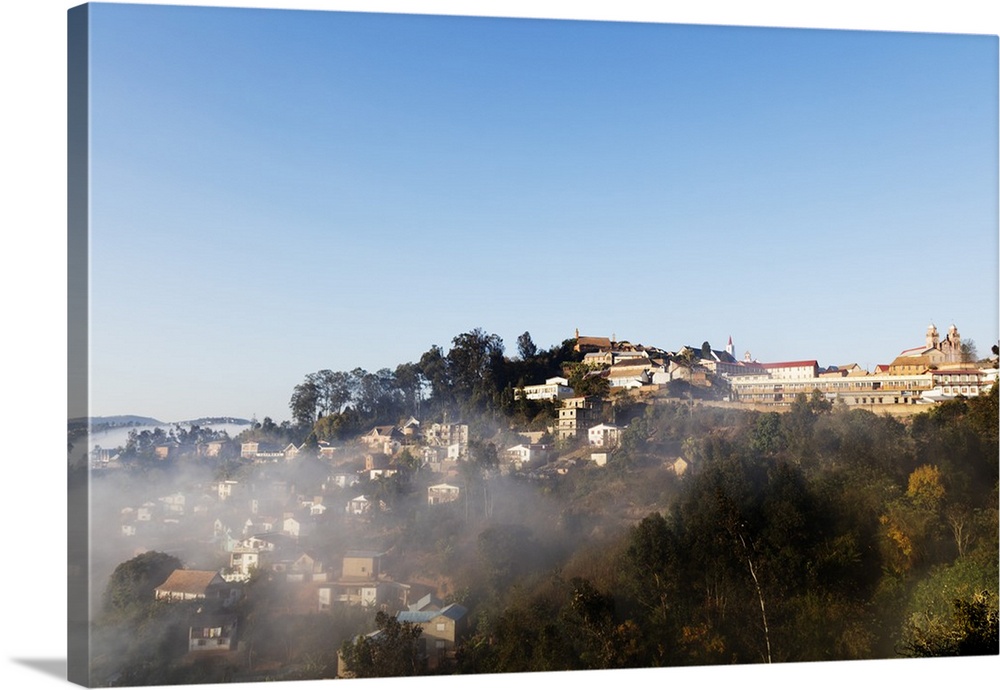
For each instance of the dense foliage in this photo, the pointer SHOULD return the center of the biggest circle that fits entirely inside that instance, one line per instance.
(813, 534)
(472, 380)
(391, 650)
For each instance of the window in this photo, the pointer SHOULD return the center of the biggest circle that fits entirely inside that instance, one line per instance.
(440, 627)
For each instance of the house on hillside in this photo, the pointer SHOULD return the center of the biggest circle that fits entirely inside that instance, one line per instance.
(411, 429)
(261, 452)
(242, 563)
(173, 504)
(630, 373)
(298, 525)
(212, 632)
(342, 480)
(359, 505)
(578, 414)
(442, 493)
(185, 585)
(447, 434)
(526, 455)
(384, 439)
(555, 388)
(440, 631)
(213, 449)
(362, 583)
(604, 435)
(585, 343)
(227, 488)
(300, 566)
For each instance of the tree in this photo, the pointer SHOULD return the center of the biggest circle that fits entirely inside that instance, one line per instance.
(601, 641)
(924, 487)
(390, 651)
(585, 381)
(972, 631)
(475, 368)
(649, 568)
(526, 347)
(305, 403)
(131, 586)
(434, 369)
(410, 382)
(768, 436)
(503, 551)
(378, 399)
(333, 388)
(967, 351)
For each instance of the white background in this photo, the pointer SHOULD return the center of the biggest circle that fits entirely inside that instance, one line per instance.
(33, 268)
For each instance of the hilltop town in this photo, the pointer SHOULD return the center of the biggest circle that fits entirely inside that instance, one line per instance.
(428, 498)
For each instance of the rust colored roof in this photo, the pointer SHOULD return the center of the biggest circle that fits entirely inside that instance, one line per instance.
(189, 581)
(588, 341)
(787, 365)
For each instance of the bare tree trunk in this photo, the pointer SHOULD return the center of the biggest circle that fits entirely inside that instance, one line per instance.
(957, 521)
(760, 596)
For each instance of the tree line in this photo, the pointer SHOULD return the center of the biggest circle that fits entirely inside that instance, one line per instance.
(472, 379)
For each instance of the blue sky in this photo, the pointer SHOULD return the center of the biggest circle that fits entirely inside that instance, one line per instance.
(277, 192)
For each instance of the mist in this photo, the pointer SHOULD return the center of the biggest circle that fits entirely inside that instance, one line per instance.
(704, 534)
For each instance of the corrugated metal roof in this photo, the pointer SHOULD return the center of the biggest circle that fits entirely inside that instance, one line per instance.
(452, 611)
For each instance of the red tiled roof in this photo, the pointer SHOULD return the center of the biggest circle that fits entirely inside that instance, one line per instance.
(789, 365)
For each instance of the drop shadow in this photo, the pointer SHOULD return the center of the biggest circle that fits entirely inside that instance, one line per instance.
(50, 667)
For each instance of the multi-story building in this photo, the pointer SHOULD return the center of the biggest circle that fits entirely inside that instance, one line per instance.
(967, 381)
(439, 434)
(853, 390)
(577, 415)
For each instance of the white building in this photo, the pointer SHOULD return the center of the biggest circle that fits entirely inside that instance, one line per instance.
(803, 369)
(604, 435)
(526, 455)
(555, 388)
(442, 493)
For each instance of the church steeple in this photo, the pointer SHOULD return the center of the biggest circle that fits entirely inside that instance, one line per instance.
(932, 337)
(729, 347)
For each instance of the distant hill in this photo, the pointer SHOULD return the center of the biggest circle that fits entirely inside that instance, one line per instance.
(115, 421)
(205, 421)
(130, 420)
(124, 420)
